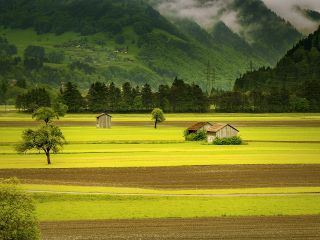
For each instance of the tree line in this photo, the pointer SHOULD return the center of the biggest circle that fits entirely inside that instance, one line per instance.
(179, 97)
(101, 97)
(292, 85)
(270, 100)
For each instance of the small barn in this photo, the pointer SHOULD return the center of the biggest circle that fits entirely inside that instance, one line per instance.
(200, 126)
(221, 131)
(104, 120)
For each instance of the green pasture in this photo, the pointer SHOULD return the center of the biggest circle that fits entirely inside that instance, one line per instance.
(164, 134)
(215, 117)
(57, 207)
(145, 146)
(145, 191)
(144, 155)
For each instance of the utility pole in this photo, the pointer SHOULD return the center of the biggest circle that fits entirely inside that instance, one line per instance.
(211, 78)
(251, 66)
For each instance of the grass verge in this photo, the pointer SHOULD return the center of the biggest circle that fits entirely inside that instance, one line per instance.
(122, 190)
(59, 207)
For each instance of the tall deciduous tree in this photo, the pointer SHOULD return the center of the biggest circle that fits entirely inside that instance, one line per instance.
(157, 116)
(47, 138)
(45, 114)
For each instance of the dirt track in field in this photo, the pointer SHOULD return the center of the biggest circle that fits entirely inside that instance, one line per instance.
(297, 227)
(294, 123)
(188, 177)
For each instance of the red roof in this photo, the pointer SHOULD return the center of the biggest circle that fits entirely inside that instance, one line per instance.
(198, 126)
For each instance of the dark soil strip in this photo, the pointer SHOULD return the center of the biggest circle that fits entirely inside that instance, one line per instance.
(299, 123)
(188, 177)
(297, 227)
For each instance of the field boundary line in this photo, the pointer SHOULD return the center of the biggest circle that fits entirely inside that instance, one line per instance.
(180, 195)
(279, 141)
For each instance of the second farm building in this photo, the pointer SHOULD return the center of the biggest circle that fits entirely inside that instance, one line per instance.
(214, 130)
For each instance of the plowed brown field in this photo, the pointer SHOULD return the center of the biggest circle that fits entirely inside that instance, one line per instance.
(204, 177)
(297, 227)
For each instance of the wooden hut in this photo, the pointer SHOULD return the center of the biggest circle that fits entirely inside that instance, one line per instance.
(104, 120)
(200, 126)
(221, 131)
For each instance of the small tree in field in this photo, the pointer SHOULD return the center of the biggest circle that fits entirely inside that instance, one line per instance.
(47, 138)
(157, 116)
(45, 114)
(17, 213)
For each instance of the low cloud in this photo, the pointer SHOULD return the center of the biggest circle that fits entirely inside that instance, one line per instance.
(205, 13)
(208, 12)
(288, 10)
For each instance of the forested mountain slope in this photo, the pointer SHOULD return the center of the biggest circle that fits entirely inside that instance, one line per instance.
(297, 72)
(109, 40)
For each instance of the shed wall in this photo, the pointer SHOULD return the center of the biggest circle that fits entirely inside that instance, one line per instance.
(225, 132)
(104, 122)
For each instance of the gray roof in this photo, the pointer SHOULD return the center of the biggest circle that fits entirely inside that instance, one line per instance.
(103, 114)
(218, 126)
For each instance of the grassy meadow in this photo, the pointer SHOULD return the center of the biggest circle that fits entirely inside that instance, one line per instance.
(143, 146)
(52, 207)
(217, 117)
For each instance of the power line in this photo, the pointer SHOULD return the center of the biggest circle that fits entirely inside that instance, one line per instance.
(211, 77)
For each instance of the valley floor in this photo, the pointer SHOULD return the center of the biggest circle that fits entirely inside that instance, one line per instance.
(135, 182)
(282, 227)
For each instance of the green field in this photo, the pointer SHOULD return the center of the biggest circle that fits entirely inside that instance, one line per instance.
(145, 191)
(139, 155)
(218, 117)
(164, 134)
(52, 207)
(144, 146)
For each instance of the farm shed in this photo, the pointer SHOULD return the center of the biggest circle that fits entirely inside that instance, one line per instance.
(104, 120)
(200, 126)
(221, 131)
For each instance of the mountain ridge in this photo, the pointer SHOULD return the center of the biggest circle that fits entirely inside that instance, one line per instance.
(130, 41)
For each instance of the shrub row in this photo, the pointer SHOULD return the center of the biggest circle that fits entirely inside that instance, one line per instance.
(228, 141)
(197, 136)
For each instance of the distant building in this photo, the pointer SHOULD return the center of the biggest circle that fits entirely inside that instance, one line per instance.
(221, 131)
(104, 120)
(214, 130)
(200, 126)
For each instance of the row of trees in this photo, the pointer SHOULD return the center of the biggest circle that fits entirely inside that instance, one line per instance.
(307, 99)
(180, 97)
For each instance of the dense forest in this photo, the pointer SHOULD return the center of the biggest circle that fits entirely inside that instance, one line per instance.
(293, 85)
(179, 97)
(82, 16)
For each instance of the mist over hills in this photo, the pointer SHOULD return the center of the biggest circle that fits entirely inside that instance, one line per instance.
(149, 41)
